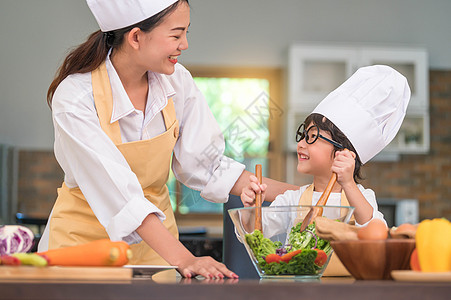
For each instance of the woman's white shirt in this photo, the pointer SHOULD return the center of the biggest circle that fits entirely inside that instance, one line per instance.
(91, 161)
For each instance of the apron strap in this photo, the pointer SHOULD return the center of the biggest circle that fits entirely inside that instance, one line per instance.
(169, 114)
(307, 196)
(103, 99)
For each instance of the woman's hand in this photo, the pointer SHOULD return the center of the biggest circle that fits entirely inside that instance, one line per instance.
(253, 188)
(205, 266)
(157, 236)
(343, 166)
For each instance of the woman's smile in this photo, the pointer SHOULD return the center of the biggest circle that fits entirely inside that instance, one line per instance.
(173, 59)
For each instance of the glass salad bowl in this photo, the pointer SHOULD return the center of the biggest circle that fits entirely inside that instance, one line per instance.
(279, 250)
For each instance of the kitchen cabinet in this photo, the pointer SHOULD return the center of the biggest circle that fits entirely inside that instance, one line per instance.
(315, 70)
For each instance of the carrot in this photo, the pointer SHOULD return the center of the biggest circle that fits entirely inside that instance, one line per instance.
(287, 257)
(96, 253)
(125, 253)
(270, 258)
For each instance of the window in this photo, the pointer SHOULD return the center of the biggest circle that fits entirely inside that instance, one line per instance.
(236, 99)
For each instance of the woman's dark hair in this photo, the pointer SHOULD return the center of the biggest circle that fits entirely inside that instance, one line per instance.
(90, 55)
(337, 135)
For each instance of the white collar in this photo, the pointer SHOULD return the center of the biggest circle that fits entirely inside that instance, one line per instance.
(160, 89)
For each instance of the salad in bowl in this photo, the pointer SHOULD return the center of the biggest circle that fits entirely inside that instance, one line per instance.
(280, 249)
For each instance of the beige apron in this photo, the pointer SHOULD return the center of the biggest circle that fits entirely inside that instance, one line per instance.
(73, 222)
(335, 266)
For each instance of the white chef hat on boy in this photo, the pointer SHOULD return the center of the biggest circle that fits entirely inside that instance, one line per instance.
(117, 14)
(368, 108)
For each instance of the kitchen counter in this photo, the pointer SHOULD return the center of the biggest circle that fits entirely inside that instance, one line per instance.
(327, 288)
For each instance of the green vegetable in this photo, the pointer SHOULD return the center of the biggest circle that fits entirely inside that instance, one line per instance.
(302, 240)
(302, 263)
(305, 240)
(326, 247)
(260, 245)
(31, 259)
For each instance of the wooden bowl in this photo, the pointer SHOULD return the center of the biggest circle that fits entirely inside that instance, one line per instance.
(374, 260)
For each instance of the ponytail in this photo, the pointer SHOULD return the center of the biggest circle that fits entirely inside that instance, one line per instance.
(85, 58)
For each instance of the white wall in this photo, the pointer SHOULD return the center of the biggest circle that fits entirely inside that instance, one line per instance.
(36, 34)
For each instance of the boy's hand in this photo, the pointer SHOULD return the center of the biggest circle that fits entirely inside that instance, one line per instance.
(343, 166)
(248, 193)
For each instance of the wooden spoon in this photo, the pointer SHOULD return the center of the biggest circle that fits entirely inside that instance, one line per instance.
(315, 210)
(258, 200)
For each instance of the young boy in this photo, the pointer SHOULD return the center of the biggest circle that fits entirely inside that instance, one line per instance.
(348, 128)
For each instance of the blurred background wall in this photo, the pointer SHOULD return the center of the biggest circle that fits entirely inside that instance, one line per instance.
(36, 36)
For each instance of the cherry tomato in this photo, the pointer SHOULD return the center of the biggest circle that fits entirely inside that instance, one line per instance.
(321, 258)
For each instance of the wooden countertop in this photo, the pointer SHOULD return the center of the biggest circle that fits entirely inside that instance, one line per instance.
(186, 289)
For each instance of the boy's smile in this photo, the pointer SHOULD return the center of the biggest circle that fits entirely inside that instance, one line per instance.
(302, 156)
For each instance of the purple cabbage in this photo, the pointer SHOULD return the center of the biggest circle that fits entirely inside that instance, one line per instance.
(15, 239)
(284, 250)
(314, 235)
(281, 251)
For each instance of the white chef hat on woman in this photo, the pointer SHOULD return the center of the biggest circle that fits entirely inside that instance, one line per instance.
(117, 14)
(368, 108)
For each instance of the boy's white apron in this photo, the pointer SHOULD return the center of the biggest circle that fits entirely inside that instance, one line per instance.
(335, 266)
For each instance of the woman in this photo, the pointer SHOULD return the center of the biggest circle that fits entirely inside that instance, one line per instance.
(121, 106)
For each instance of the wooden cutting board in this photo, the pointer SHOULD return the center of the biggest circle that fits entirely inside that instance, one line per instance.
(407, 275)
(65, 273)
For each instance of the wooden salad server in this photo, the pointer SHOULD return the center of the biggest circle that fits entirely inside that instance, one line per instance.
(258, 200)
(318, 211)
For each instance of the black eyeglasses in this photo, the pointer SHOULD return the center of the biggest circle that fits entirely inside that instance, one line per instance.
(312, 134)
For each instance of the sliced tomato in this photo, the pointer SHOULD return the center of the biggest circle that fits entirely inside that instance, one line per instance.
(270, 258)
(287, 257)
(321, 257)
